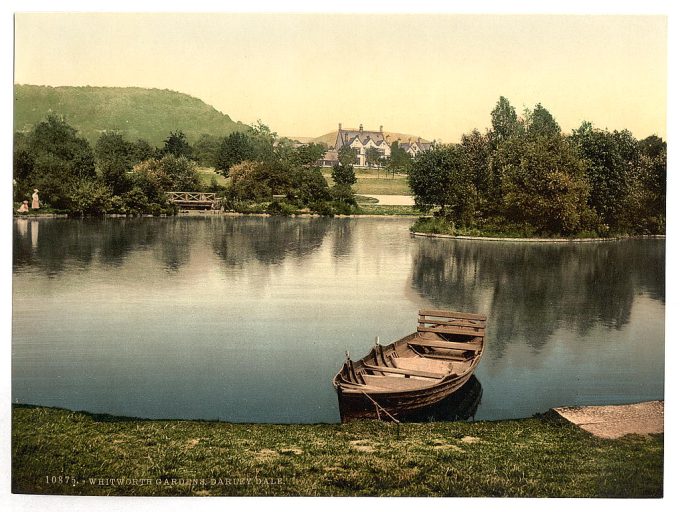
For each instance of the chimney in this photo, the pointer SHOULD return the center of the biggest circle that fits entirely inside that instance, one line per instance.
(381, 128)
(339, 126)
(361, 128)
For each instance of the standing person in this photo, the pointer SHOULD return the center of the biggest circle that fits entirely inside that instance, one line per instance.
(36, 200)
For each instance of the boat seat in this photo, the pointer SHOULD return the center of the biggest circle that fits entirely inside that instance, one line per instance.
(451, 345)
(423, 364)
(451, 322)
(452, 329)
(395, 383)
(398, 371)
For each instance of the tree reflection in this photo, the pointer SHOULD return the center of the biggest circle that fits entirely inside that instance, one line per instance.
(81, 242)
(269, 240)
(174, 238)
(531, 290)
(343, 229)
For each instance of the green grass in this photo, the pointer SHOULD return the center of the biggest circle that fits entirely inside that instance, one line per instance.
(373, 181)
(497, 229)
(377, 209)
(368, 181)
(532, 457)
(206, 174)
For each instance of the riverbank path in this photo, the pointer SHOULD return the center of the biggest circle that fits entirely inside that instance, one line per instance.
(612, 421)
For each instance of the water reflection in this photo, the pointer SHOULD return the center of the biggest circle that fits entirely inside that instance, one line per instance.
(237, 241)
(461, 405)
(269, 240)
(531, 290)
(52, 245)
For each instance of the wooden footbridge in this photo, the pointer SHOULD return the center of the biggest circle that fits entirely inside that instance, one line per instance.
(194, 200)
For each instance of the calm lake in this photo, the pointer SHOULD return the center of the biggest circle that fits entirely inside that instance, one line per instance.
(247, 319)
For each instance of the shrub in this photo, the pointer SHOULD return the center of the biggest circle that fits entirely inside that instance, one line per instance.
(281, 208)
(89, 197)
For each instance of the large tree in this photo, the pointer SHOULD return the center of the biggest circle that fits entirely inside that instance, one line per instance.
(114, 157)
(609, 161)
(543, 185)
(477, 160)
(206, 149)
(504, 122)
(343, 172)
(235, 148)
(440, 179)
(177, 145)
(52, 158)
(170, 173)
(399, 160)
(541, 122)
(373, 157)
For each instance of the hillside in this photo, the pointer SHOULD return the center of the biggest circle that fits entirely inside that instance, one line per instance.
(149, 114)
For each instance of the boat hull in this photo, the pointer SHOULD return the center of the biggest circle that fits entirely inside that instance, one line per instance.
(355, 406)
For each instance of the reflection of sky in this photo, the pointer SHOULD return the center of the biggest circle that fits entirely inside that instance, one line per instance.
(248, 319)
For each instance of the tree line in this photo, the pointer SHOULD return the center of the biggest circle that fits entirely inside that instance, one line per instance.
(119, 176)
(114, 176)
(525, 176)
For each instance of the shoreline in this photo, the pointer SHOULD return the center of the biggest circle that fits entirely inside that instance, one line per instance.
(210, 213)
(564, 411)
(540, 240)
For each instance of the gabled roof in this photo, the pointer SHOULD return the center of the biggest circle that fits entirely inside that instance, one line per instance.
(348, 136)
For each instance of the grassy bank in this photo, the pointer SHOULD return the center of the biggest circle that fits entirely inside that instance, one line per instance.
(56, 451)
(498, 229)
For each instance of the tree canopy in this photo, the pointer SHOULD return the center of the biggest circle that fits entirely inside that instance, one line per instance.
(525, 175)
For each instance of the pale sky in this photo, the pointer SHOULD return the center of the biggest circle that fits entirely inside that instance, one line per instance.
(432, 75)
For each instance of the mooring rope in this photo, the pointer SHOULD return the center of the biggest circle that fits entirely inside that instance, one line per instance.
(379, 407)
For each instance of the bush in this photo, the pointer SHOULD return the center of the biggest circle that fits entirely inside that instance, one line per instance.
(343, 194)
(322, 208)
(155, 209)
(343, 175)
(281, 208)
(343, 208)
(135, 202)
(89, 197)
(434, 225)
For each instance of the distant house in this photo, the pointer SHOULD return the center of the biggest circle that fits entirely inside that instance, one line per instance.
(362, 140)
(415, 147)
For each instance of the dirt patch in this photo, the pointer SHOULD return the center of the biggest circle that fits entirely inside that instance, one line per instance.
(291, 450)
(266, 453)
(452, 447)
(470, 439)
(612, 421)
(362, 445)
(192, 442)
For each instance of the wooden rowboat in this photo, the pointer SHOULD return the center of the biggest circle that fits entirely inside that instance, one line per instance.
(414, 372)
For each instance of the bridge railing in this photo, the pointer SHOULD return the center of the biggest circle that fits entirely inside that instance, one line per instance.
(192, 197)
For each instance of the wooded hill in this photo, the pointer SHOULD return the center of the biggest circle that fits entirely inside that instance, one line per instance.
(136, 112)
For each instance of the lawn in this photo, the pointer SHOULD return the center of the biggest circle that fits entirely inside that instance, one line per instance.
(374, 181)
(369, 181)
(56, 451)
